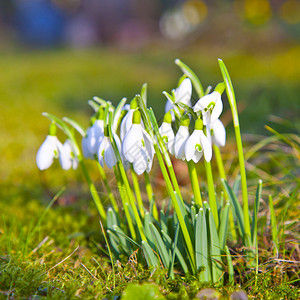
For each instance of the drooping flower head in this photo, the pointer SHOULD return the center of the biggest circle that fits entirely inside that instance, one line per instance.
(95, 133)
(211, 107)
(127, 120)
(181, 137)
(137, 146)
(167, 133)
(106, 153)
(50, 149)
(71, 153)
(181, 95)
(216, 133)
(198, 144)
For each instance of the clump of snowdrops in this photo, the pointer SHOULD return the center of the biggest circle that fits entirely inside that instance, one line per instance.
(189, 235)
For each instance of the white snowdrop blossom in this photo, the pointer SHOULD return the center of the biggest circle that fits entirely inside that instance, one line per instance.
(71, 153)
(138, 147)
(211, 107)
(95, 135)
(85, 148)
(181, 137)
(52, 148)
(198, 144)
(167, 133)
(106, 153)
(216, 133)
(127, 120)
(182, 94)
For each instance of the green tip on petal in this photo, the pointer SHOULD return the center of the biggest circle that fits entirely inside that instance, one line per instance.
(199, 124)
(185, 121)
(136, 118)
(181, 79)
(52, 129)
(134, 103)
(220, 88)
(101, 113)
(168, 118)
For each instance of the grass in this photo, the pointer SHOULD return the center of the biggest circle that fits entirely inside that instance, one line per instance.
(35, 260)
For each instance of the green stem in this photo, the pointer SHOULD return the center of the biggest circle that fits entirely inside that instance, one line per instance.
(93, 190)
(195, 182)
(137, 192)
(233, 106)
(125, 203)
(132, 201)
(211, 192)
(110, 194)
(222, 173)
(150, 195)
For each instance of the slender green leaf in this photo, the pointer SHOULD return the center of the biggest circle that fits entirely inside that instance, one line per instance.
(214, 249)
(223, 229)
(179, 254)
(161, 247)
(230, 266)
(255, 212)
(151, 258)
(201, 247)
(273, 225)
(237, 207)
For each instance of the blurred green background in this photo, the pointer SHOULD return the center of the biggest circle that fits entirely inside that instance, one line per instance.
(56, 55)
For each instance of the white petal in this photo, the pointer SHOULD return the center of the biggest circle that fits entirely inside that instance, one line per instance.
(70, 151)
(206, 117)
(95, 133)
(104, 145)
(126, 123)
(63, 157)
(109, 156)
(206, 146)
(202, 103)
(166, 132)
(169, 105)
(184, 92)
(132, 142)
(148, 144)
(180, 140)
(46, 153)
(217, 110)
(219, 133)
(85, 149)
(190, 146)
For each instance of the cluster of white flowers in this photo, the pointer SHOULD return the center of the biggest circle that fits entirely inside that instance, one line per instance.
(208, 110)
(134, 144)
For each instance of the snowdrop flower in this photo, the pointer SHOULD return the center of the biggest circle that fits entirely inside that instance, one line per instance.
(216, 133)
(138, 146)
(95, 133)
(127, 120)
(106, 151)
(182, 94)
(198, 144)
(71, 153)
(167, 133)
(181, 137)
(50, 149)
(211, 107)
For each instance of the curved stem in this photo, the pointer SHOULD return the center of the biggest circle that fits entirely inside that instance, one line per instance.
(195, 182)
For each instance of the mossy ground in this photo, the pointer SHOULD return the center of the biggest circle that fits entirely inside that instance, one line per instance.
(36, 242)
